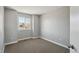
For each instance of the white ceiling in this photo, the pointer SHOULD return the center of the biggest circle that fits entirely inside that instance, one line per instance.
(34, 9)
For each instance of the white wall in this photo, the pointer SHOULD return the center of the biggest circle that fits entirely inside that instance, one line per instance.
(36, 25)
(10, 27)
(1, 29)
(55, 25)
(12, 33)
(74, 27)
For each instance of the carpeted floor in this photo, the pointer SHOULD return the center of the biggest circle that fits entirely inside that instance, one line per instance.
(34, 46)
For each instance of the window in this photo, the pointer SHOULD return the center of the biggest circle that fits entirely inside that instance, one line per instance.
(24, 23)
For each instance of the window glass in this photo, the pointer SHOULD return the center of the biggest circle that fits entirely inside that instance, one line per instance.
(24, 23)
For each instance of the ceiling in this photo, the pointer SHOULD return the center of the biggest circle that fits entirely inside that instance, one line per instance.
(34, 9)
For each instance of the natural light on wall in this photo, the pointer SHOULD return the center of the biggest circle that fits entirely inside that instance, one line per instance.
(24, 23)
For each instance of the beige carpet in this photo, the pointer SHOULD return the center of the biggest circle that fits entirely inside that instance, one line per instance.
(35, 46)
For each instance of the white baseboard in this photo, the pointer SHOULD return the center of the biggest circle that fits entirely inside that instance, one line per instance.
(20, 40)
(24, 38)
(38, 37)
(27, 38)
(55, 42)
(11, 43)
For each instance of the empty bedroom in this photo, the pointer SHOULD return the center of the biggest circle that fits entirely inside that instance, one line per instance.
(36, 29)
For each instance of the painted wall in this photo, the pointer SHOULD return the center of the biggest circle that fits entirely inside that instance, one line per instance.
(36, 25)
(74, 28)
(12, 33)
(1, 29)
(55, 25)
(10, 25)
